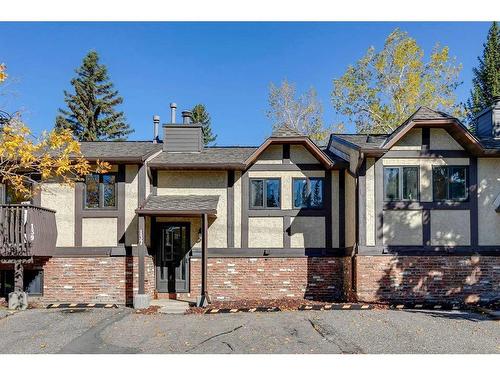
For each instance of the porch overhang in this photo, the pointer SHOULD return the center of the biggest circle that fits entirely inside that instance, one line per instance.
(179, 205)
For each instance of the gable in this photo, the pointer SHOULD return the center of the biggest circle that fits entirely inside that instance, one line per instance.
(410, 141)
(273, 154)
(300, 155)
(440, 139)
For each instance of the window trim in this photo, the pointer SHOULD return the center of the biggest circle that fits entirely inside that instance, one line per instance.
(101, 193)
(467, 184)
(400, 180)
(264, 193)
(322, 207)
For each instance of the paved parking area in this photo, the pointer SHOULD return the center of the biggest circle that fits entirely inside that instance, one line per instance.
(123, 331)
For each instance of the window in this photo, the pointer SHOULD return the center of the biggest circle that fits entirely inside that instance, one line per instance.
(265, 193)
(308, 193)
(100, 190)
(32, 282)
(401, 183)
(449, 183)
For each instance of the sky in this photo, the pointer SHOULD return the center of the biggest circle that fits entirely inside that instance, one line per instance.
(226, 66)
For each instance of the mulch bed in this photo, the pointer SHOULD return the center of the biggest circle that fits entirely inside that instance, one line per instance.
(151, 310)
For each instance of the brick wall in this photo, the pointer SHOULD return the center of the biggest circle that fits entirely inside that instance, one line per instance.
(89, 280)
(437, 278)
(106, 279)
(268, 278)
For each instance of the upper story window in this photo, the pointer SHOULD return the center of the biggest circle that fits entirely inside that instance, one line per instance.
(450, 183)
(100, 190)
(401, 183)
(308, 192)
(265, 193)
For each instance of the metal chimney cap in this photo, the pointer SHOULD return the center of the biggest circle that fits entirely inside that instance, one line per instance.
(156, 118)
(173, 105)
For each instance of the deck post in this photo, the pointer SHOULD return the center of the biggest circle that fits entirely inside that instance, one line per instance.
(204, 299)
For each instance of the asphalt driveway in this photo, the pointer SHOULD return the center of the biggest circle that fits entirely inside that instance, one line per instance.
(123, 331)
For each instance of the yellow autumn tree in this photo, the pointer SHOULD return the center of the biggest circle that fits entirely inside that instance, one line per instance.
(27, 161)
(385, 87)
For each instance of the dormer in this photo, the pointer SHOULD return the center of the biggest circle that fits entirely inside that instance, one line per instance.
(488, 121)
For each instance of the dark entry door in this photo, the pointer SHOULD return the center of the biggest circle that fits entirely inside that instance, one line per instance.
(172, 258)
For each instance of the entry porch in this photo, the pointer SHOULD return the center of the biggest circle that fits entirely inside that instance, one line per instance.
(169, 227)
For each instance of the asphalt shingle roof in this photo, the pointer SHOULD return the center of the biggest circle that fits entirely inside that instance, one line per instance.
(181, 203)
(119, 150)
(208, 156)
(286, 131)
(364, 140)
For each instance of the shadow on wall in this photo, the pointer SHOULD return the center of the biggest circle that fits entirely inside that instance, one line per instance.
(448, 277)
(327, 277)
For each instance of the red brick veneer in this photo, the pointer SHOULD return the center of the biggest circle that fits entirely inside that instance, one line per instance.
(436, 278)
(319, 278)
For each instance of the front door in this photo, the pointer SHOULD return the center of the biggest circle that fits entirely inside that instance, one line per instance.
(172, 257)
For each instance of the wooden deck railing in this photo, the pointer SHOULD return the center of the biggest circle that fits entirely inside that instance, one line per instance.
(27, 230)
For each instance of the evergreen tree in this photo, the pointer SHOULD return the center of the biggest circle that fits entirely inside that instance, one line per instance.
(201, 116)
(486, 81)
(91, 113)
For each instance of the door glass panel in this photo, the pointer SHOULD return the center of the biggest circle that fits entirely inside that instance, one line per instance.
(458, 187)
(439, 182)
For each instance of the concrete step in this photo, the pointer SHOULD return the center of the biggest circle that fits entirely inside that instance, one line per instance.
(170, 306)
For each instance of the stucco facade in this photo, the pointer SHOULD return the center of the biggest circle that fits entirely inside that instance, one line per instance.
(355, 243)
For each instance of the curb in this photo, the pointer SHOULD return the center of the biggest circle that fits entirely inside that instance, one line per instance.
(333, 306)
(81, 306)
(246, 309)
(337, 306)
(425, 306)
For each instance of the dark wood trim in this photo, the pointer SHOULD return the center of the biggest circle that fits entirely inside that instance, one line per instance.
(473, 199)
(121, 204)
(327, 210)
(184, 213)
(89, 213)
(204, 259)
(341, 216)
(273, 252)
(287, 231)
(427, 154)
(428, 250)
(362, 204)
(195, 166)
(304, 141)
(286, 154)
(230, 209)
(142, 252)
(271, 212)
(438, 205)
(142, 181)
(426, 227)
(379, 201)
(154, 187)
(83, 252)
(426, 139)
(287, 167)
(244, 208)
(79, 188)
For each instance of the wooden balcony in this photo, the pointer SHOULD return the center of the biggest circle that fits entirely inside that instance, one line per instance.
(27, 230)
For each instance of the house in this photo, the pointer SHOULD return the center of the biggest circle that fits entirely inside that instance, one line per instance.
(411, 215)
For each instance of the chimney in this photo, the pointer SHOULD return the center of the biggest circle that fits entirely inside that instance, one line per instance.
(488, 121)
(156, 124)
(187, 116)
(173, 107)
(185, 137)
